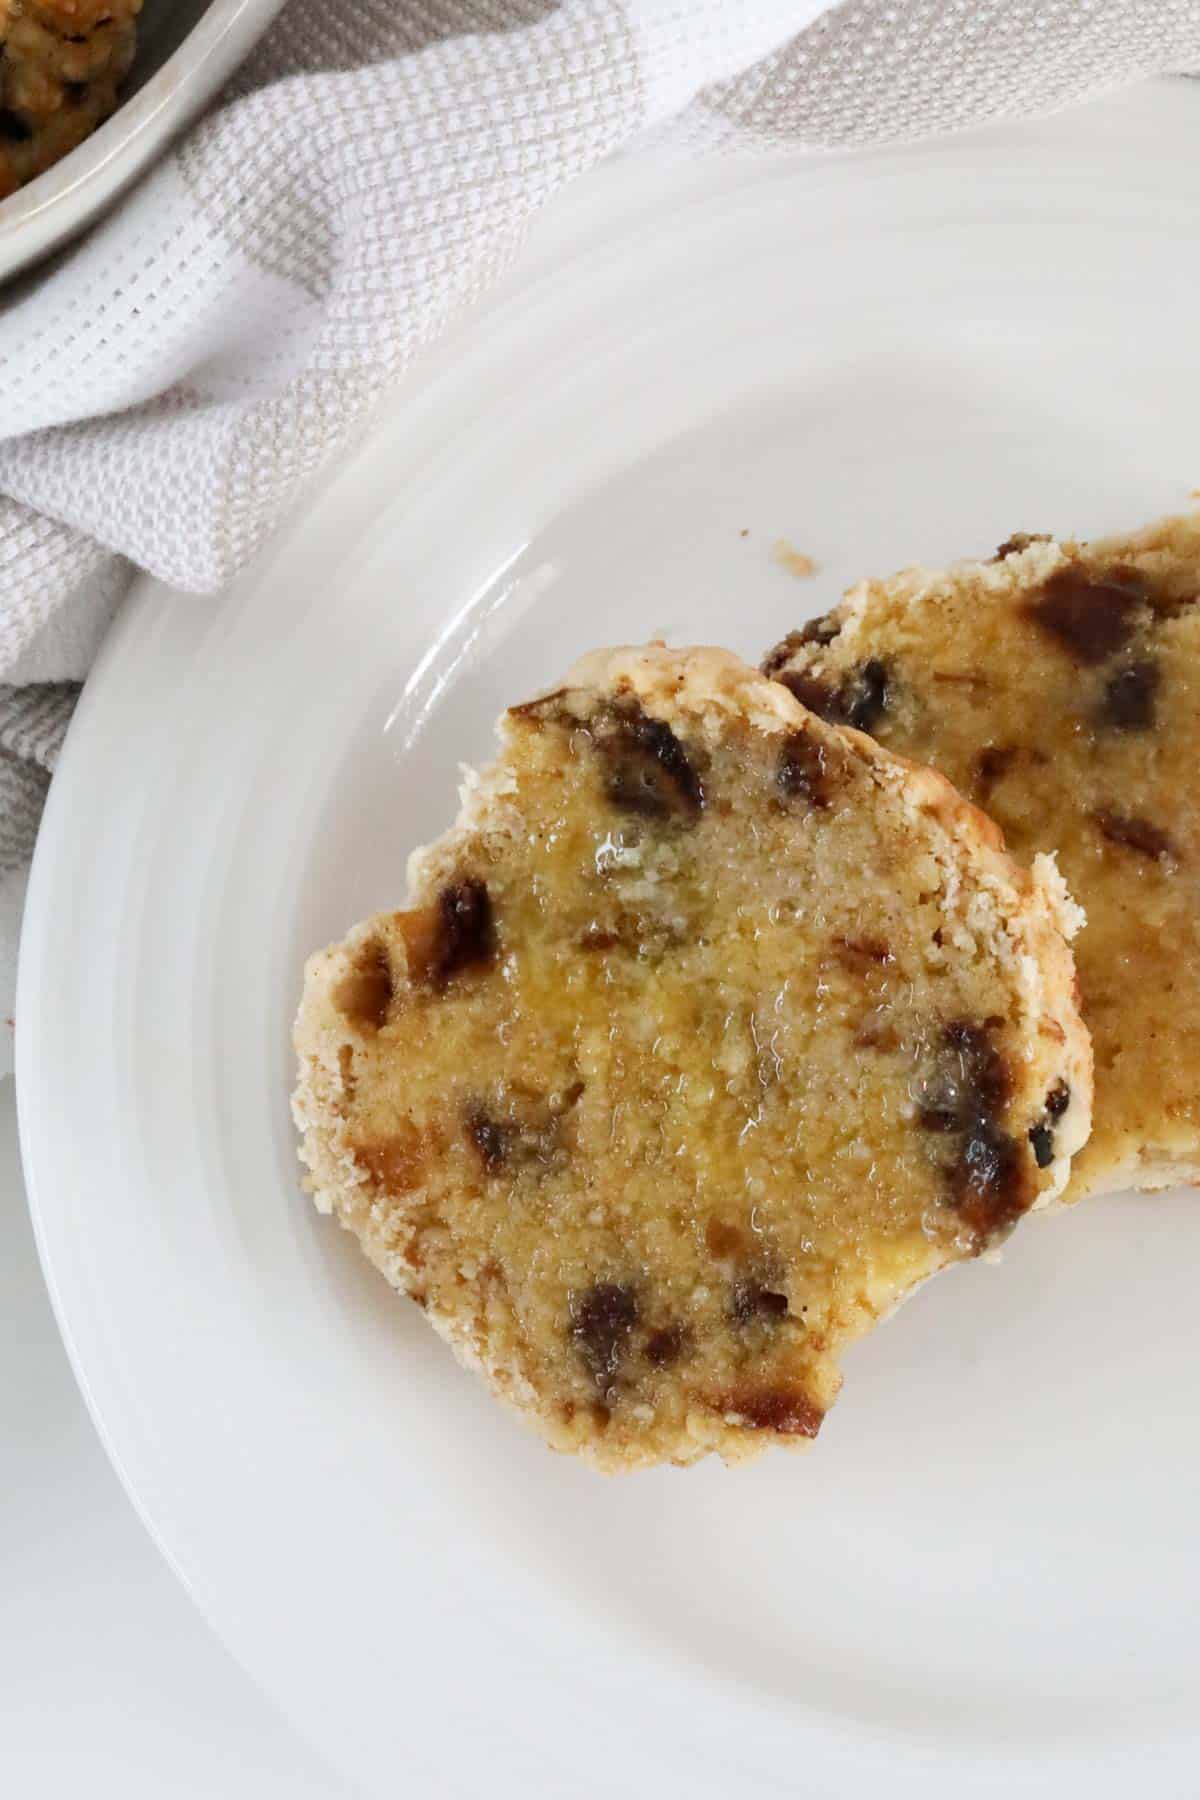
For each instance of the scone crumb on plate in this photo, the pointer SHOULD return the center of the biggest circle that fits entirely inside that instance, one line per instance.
(793, 560)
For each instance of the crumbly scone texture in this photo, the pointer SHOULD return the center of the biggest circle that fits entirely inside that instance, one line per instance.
(708, 1032)
(62, 63)
(1058, 686)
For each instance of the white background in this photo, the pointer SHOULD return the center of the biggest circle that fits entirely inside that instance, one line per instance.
(110, 1682)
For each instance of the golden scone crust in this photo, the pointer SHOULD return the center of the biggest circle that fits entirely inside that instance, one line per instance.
(1058, 686)
(707, 1033)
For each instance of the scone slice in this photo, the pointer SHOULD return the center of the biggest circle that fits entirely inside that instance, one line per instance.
(1058, 686)
(707, 1033)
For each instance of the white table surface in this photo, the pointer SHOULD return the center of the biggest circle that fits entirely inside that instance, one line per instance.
(110, 1681)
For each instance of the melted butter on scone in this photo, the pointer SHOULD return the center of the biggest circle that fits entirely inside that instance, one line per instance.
(709, 1032)
(1058, 686)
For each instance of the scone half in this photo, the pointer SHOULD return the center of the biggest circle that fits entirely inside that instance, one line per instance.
(1058, 686)
(707, 1033)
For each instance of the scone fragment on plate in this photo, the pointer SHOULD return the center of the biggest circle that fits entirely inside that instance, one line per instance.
(706, 1034)
(1058, 686)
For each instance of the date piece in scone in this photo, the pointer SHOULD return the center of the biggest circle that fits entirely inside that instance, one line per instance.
(1058, 686)
(708, 1032)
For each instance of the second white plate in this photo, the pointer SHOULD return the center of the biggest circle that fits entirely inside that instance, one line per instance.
(984, 1576)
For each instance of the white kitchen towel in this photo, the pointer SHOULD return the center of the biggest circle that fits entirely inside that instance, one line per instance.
(165, 389)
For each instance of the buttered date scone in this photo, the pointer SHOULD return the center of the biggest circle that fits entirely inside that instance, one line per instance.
(707, 1033)
(1058, 686)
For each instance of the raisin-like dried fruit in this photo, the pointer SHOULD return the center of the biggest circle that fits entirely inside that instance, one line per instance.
(1020, 540)
(491, 1137)
(722, 1239)
(750, 1300)
(1058, 1099)
(1041, 1137)
(803, 769)
(966, 1097)
(1130, 696)
(864, 695)
(859, 953)
(455, 932)
(859, 700)
(395, 1162)
(13, 128)
(365, 994)
(468, 934)
(597, 937)
(528, 1133)
(666, 1346)
(1089, 616)
(991, 764)
(988, 1181)
(782, 1409)
(972, 1080)
(820, 697)
(602, 1320)
(820, 631)
(541, 711)
(649, 771)
(1132, 833)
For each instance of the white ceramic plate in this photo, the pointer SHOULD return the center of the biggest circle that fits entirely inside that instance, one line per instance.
(984, 1578)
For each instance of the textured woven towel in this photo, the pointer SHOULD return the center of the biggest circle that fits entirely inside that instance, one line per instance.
(377, 163)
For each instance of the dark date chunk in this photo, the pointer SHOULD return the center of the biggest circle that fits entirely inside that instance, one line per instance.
(365, 994)
(1132, 833)
(1041, 1135)
(1089, 616)
(751, 1300)
(987, 1169)
(13, 128)
(803, 771)
(722, 1239)
(972, 1080)
(858, 954)
(966, 1098)
(865, 695)
(1058, 1099)
(666, 1346)
(859, 700)
(991, 764)
(1020, 540)
(817, 631)
(468, 938)
(528, 1132)
(649, 771)
(541, 711)
(491, 1137)
(455, 932)
(782, 1409)
(820, 697)
(395, 1162)
(602, 1320)
(1130, 696)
